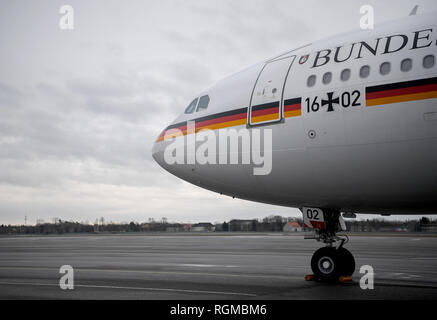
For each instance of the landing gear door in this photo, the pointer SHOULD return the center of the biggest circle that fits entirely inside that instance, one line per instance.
(267, 96)
(313, 218)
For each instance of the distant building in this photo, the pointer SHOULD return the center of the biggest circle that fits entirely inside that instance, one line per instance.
(145, 227)
(275, 219)
(242, 225)
(292, 226)
(174, 228)
(187, 227)
(428, 227)
(203, 227)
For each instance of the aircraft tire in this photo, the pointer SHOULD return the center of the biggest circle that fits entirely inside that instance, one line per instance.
(347, 261)
(326, 264)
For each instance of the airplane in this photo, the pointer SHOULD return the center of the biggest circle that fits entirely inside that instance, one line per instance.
(352, 123)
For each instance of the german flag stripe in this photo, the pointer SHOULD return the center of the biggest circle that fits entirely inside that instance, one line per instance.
(207, 123)
(265, 112)
(260, 113)
(267, 117)
(175, 132)
(399, 85)
(292, 101)
(210, 117)
(215, 121)
(292, 107)
(266, 106)
(401, 92)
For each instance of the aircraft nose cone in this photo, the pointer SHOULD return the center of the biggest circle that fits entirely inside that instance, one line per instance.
(158, 156)
(157, 151)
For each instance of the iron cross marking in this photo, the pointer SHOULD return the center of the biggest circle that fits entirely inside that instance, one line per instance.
(330, 102)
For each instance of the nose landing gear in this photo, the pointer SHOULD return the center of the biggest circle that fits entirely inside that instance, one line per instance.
(332, 262)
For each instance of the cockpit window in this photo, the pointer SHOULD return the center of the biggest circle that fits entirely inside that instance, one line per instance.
(203, 103)
(191, 106)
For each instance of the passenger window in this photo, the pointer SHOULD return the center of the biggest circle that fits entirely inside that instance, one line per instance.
(327, 78)
(191, 106)
(364, 71)
(384, 68)
(406, 65)
(203, 103)
(345, 74)
(311, 80)
(428, 61)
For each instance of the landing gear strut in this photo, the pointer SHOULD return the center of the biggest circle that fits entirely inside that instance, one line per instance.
(333, 261)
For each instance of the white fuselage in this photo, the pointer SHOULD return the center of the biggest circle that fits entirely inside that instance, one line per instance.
(354, 143)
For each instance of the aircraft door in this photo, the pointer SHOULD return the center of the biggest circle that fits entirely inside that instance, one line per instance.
(266, 104)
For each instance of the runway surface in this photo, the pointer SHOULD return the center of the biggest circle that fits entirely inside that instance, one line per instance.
(211, 266)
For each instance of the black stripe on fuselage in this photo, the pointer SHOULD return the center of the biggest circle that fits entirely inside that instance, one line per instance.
(265, 106)
(292, 101)
(210, 117)
(402, 85)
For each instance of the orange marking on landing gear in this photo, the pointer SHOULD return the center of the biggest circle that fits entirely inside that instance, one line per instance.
(309, 277)
(345, 279)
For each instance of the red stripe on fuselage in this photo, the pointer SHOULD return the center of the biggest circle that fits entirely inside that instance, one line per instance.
(398, 92)
(209, 122)
(292, 107)
(265, 112)
(222, 119)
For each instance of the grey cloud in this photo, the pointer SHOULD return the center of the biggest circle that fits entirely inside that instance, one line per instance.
(9, 94)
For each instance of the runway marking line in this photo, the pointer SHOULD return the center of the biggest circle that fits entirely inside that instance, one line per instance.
(161, 272)
(203, 265)
(131, 288)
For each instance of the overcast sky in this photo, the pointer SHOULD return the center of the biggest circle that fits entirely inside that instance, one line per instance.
(80, 109)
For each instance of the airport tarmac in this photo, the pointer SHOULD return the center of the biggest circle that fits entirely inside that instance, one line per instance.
(209, 266)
